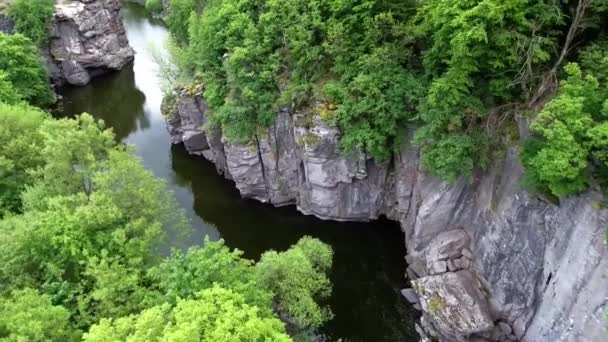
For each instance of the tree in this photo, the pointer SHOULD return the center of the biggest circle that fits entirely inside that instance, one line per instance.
(23, 68)
(215, 314)
(557, 161)
(82, 230)
(30, 316)
(185, 274)
(32, 18)
(20, 144)
(478, 56)
(298, 281)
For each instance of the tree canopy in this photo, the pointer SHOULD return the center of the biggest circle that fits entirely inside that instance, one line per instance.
(32, 18)
(22, 74)
(82, 226)
(459, 71)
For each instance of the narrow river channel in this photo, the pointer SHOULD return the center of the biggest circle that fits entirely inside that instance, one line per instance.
(368, 263)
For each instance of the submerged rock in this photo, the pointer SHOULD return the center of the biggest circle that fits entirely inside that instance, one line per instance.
(87, 39)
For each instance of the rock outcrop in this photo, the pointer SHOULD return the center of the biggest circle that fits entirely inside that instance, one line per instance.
(488, 261)
(87, 39)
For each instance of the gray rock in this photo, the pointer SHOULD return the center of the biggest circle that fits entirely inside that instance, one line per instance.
(87, 39)
(505, 328)
(451, 265)
(438, 267)
(410, 295)
(455, 304)
(331, 184)
(7, 26)
(447, 245)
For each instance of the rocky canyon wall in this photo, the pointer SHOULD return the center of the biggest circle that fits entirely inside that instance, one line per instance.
(488, 261)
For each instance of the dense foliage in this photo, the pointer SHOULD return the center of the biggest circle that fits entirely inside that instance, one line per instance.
(32, 18)
(22, 74)
(82, 224)
(154, 6)
(571, 132)
(461, 71)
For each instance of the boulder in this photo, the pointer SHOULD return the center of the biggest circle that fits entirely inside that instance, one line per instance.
(455, 304)
(87, 39)
(7, 26)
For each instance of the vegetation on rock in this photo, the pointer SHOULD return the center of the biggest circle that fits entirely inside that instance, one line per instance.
(154, 6)
(22, 74)
(32, 18)
(461, 71)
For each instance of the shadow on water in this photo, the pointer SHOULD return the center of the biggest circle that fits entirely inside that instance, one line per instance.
(368, 262)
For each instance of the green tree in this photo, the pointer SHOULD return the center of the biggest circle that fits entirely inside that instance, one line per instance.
(20, 144)
(557, 161)
(298, 280)
(21, 65)
(178, 16)
(154, 6)
(477, 56)
(215, 314)
(32, 18)
(94, 221)
(30, 316)
(8, 94)
(185, 274)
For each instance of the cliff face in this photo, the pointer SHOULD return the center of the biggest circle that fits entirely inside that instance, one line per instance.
(488, 261)
(87, 39)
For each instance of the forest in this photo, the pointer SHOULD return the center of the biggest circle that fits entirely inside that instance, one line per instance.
(462, 73)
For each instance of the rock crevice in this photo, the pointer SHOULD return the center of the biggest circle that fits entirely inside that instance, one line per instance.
(487, 260)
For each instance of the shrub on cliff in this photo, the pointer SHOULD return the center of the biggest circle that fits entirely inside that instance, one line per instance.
(459, 70)
(32, 18)
(570, 134)
(154, 6)
(21, 66)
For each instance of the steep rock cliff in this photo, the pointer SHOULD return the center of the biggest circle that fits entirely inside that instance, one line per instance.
(87, 39)
(488, 261)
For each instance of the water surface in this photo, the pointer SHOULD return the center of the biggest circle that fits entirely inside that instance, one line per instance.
(368, 262)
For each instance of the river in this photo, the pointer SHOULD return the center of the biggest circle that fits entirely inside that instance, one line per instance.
(369, 257)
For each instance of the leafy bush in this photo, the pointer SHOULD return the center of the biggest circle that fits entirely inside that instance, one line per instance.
(215, 314)
(469, 41)
(567, 138)
(32, 18)
(255, 60)
(459, 69)
(20, 144)
(179, 14)
(298, 280)
(8, 94)
(21, 66)
(154, 6)
(30, 316)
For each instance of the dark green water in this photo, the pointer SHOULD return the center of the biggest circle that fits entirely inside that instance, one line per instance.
(368, 264)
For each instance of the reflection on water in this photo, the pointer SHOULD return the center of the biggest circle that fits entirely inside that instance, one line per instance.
(115, 93)
(368, 263)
